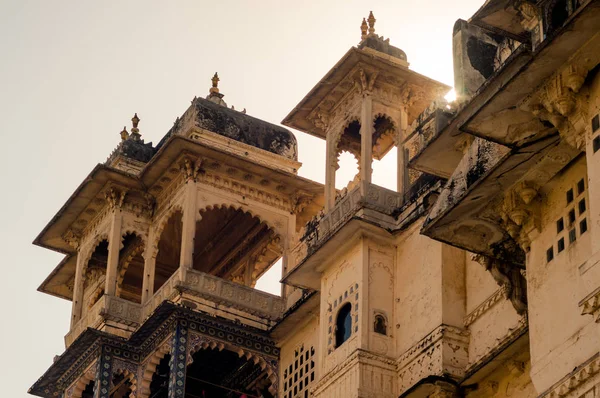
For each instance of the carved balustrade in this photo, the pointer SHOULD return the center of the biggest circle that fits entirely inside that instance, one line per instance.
(107, 308)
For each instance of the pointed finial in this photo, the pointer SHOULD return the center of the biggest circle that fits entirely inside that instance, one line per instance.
(135, 132)
(363, 29)
(124, 134)
(215, 83)
(371, 23)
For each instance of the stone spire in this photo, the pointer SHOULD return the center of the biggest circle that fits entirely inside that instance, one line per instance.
(135, 132)
(213, 94)
(371, 23)
(363, 29)
(124, 134)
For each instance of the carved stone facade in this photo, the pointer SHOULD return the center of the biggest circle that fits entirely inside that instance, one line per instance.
(477, 277)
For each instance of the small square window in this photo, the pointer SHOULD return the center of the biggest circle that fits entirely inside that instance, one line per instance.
(571, 216)
(581, 206)
(596, 144)
(580, 187)
(572, 236)
(549, 254)
(561, 244)
(560, 225)
(570, 196)
(582, 226)
(595, 123)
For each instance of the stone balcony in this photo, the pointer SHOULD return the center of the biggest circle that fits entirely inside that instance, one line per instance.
(191, 288)
(366, 201)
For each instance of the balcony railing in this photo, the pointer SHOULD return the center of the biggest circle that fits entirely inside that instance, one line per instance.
(187, 282)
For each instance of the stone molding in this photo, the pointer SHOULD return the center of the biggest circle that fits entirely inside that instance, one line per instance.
(590, 305)
(441, 352)
(357, 356)
(578, 377)
(482, 308)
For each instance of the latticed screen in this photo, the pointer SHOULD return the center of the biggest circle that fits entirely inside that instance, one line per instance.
(299, 374)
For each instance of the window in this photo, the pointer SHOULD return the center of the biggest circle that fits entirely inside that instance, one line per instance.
(580, 187)
(596, 143)
(549, 254)
(571, 216)
(569, 196)
(595, 123)
(343, 325)
(572, 236)
(380, 325)
(299, 375)
(581, 206)
(561, 244)
(560, 225)
(582, 226)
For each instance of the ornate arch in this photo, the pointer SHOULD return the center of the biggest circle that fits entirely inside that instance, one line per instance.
(76, 389)
(160, 226)
(149, 367)
(130, 371)
(124, 262)
(277, 229)
(199, 342)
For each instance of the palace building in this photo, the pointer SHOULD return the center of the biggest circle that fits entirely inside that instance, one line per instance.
(479, 276)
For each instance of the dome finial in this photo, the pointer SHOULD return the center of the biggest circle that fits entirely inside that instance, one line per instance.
(363, 29)
(124, 134)
(215, 84)
(371, 23)
(135, 132)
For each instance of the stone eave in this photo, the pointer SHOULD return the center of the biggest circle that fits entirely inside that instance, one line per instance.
(55, 284)
(504, 104)
(501, 17)
(51, 236)
(298, 118)
(177, 145)
(466, 215)
(307, 274)
(295, 316)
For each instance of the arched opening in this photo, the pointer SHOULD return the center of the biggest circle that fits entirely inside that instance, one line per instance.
(95, 275)
(385, 165)
(131, 268)
(88, 392)
(234, 245)
(159, 386)
(169, 249)
(343, 324)
(380, 325)
(120, 386)
(223, 373)
(348, 156)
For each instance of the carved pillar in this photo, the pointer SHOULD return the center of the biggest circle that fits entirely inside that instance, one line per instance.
(190, 170)
(103, 374)
(444, 390)
(77, 290)
(149, 272)
(402, 172)
(366, 138)
(330, 169)
(115, 201)
(177, 364)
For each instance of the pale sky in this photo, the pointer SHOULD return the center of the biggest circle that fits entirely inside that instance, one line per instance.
(73, 73)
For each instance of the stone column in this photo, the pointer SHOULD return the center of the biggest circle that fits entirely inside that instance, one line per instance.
(115, 200)
(177, 364)
(103, 374)
(188, 234)
(366, 138)
(77, 289)
(149, 272)
(330, 169)
(402, 172)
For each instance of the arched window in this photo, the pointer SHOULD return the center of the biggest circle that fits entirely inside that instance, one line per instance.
(343, 325)
(380, 325)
